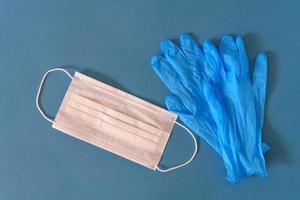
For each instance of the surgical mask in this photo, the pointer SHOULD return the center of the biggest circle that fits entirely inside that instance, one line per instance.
(114, 120)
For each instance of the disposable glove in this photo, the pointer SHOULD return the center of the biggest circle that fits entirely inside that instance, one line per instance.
(183, 71)
(213, 102)
(243, 100)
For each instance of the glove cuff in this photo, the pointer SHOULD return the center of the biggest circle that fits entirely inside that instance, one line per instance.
(240, 166)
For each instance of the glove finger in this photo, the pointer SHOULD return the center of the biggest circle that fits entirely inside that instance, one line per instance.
(260, 83)
(229, 53)
(213, 69)
(260, 72)
(178, 61)
(244, 60)
(169, 77)
(174, 104)
(192, 51)
(169, 48)
(198, 124)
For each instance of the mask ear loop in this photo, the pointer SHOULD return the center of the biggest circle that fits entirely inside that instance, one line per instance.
(40, 89)
(187, 162)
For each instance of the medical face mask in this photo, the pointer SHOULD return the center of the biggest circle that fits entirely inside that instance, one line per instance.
(114, 120)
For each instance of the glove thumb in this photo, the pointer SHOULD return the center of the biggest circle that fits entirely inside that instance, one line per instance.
(174, 104)
(260, 75)
(260, 83)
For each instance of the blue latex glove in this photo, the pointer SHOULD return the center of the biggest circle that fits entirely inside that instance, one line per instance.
(243, 101)
(183, 70)
(213, 95)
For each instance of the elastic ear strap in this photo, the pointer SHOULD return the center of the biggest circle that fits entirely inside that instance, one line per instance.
(187, 162)
(40, 89)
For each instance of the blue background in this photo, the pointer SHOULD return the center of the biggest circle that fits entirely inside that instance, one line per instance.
(113, 41)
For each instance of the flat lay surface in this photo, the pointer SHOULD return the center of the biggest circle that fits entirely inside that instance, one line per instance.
(113, 42)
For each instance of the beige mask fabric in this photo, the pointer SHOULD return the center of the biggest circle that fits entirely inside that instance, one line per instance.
(114, 120)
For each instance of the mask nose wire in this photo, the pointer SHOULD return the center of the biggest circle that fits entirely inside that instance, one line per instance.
(187, 162)
(37, 99)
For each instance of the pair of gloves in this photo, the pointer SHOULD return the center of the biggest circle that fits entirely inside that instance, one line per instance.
(215, 96)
